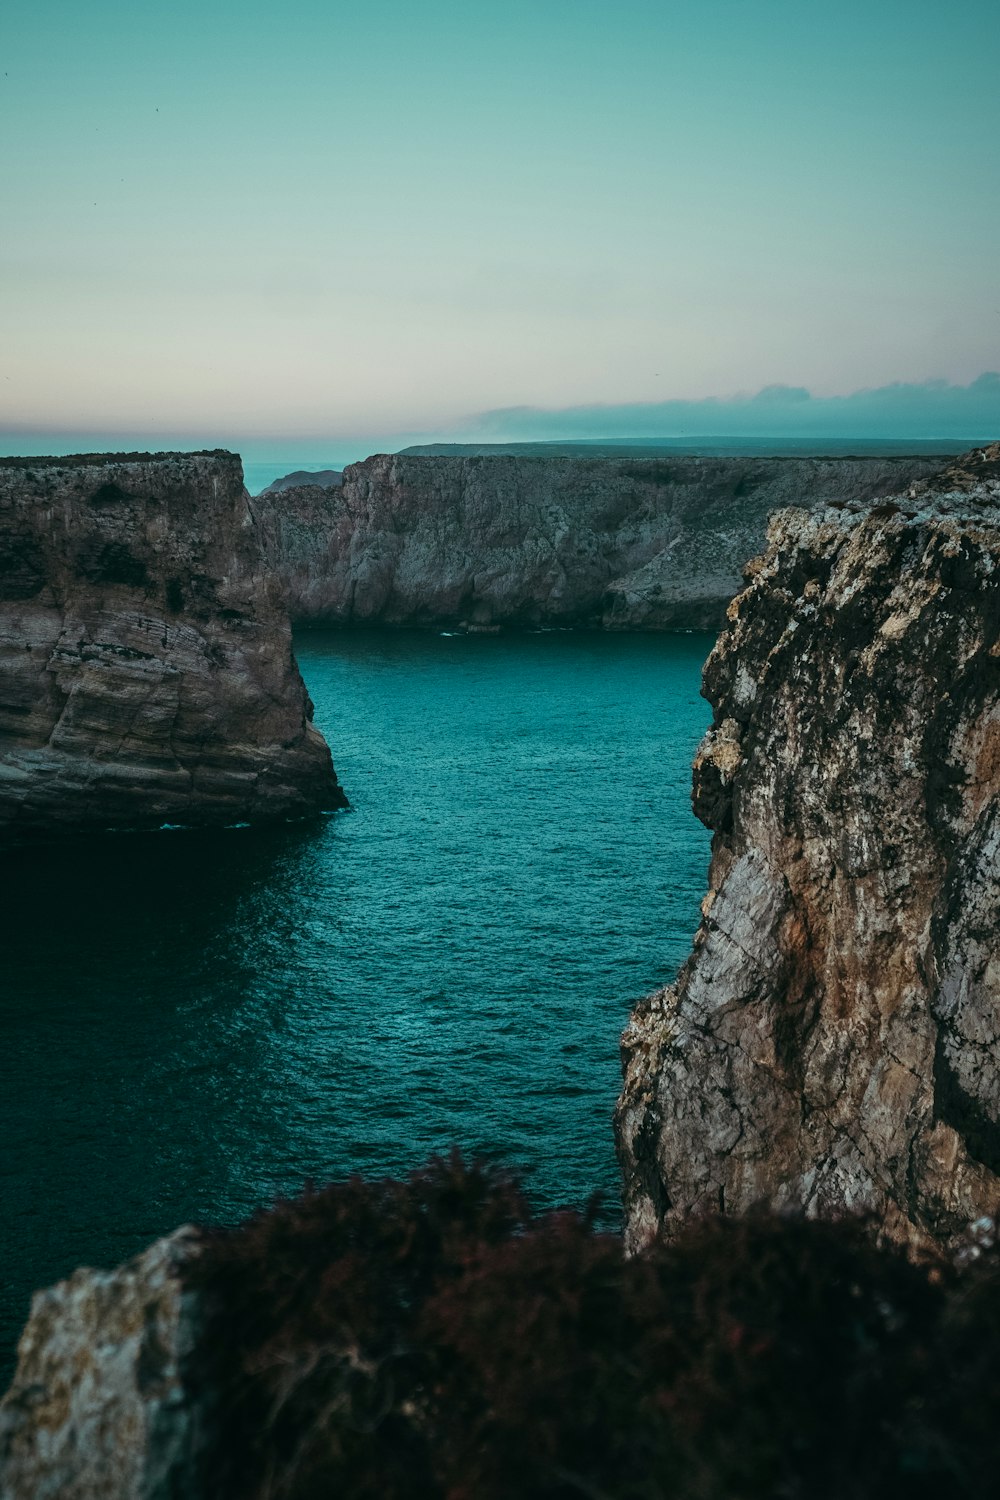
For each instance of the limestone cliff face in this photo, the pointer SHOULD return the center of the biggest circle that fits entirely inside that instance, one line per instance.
(146, 668)
(834, 1039)
(504, 540)
(101, 1405)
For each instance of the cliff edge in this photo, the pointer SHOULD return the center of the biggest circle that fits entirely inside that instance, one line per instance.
(834, 1039)
(504, 540)
(146, 668)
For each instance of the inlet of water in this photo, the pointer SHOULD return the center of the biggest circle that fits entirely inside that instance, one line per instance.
(193, 1024)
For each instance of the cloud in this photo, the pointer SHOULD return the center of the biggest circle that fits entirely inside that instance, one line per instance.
(781, 395)
(930, 409)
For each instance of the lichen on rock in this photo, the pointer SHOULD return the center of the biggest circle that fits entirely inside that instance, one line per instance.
(833, 1042)
(101, 1402)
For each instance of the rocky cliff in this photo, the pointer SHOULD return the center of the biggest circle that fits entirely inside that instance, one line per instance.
(834, 1040)
(507, 540)
(146, 668)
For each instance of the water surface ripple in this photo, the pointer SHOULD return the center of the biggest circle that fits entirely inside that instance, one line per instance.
(194, 1023)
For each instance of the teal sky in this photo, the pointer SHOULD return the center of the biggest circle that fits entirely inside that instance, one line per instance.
(247, 220)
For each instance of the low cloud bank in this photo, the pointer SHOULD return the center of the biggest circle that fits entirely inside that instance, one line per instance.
(931, 409)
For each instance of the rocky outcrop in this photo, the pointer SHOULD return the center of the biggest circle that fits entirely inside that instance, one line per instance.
(834, 1040)
(506, 540)
(146, 668)
(305, 479)
(102, 1404)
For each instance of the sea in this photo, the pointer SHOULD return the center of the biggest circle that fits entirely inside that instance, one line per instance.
(197, 1023)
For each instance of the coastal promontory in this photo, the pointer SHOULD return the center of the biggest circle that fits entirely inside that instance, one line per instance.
(833, 1042)
(502, 540)
(146, 666)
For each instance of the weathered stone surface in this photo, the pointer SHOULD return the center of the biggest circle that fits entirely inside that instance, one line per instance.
(834, 1039)
(146, 668)
(100, 1408)
(504, 540)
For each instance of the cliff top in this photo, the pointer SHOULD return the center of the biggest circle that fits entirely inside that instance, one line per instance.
(972, 471)
(704, 447)
(85, 460)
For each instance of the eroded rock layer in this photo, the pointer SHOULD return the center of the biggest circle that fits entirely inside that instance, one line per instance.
(146, 668)
(834, 1039)
(505, 540)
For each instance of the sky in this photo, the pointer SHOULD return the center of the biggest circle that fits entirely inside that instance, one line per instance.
(334, 223)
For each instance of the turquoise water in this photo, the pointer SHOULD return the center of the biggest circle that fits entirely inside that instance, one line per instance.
(192, 1024)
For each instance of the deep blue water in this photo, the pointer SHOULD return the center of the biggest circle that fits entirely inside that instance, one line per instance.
(194, 1023)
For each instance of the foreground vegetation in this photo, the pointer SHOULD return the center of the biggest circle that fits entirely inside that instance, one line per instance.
(433, 1337)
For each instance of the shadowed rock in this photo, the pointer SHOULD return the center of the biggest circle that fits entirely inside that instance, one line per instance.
(146, 668)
